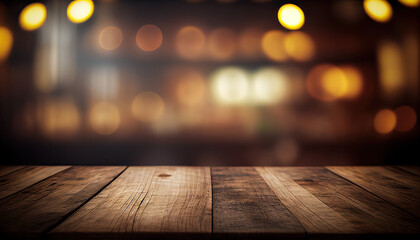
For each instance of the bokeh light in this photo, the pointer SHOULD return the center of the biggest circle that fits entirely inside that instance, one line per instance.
(149, 38)
(33, 16)
(79, 11)
(104, 118)
(272, 45)
(269, 86)
(385, 121)
(391, 68)
(221, 43)
(410, 3)
(378, 10)
(354, 80)
(110, 38)
(250, 42)
(299, 46)
(334, 82)
(147, 107)
(230, 86)
(190, 42)
(190, 88)
(6, 43)
(291, 16)
(406, 118)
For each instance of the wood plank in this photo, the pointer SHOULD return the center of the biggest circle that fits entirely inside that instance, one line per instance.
(4, 170)
(411, 169)
(147, 202)
(41, 206)
(341, 209)
(394, 186)
(25, 177)
(244, 206)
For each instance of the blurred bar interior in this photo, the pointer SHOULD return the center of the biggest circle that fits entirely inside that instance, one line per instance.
(209, 82)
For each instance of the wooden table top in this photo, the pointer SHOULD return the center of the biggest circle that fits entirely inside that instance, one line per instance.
(115, 202)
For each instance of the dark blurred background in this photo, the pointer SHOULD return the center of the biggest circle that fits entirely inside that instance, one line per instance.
(209, 82)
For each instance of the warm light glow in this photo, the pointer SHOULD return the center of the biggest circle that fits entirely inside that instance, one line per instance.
(334, 82)
(291, 16)
(230, 86)
(110, 38)
(190, 88)
(354, 80)
(410, 3)
(222, 43)
(190, 42)
(33, 16)
(269, 86)
(391, 69)
(149, 38)
(79, 11)
(6, 43)
(378, 10)
(272, 45)
(299, 46)
(147, 107)
(250, 42)
(385, 121)
(104, 118)
(406, 118)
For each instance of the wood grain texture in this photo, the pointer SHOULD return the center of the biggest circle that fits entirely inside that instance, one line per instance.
(368, 215)
(41, 206)
(244, 207)
(25, 177)
(147, 202)
(8, 169)
(395, 186)
(411, 169)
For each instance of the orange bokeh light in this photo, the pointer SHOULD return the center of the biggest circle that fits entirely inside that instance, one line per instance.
(149, 38)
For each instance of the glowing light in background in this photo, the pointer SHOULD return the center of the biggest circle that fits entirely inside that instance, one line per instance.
(104, 82)
(33, 16)
(190, 88)
(410, 3)
(230, 86)
(250, 42)
(299, 46)
(291, 16)
(385, 121)
(354, 79)
(190, 42)
(378, 10)
(6, 43)
(269, 86)
(110, 38)
(222, 43)
(147, 107)
(272, 45)
(104, 118)
(406, 118)
(149, 38)
(79, 11)
(391, 69)
(334, 82)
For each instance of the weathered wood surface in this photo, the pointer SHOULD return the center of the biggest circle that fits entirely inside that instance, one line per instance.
(147, 202)
(25, 177)
(4, 170)
(411, 169)
(395, 186)
(245, 206)
(42, 205)
(329, 206)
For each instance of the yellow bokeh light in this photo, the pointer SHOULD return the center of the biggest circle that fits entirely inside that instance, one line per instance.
(190, 88)
(378, 10)
(104, 118)
(79, 11)
(406, 118)
(110, 38)
(299, 46)
(410, 3)
(354, 82)
(385, 121)
(269, 86)
(230, 86)
(272, 45)
(222, 43)
(149, 38)
(33, 16)
(334, 82)
(190, 42)
(6, 43)
(291, 16)
(147, 107)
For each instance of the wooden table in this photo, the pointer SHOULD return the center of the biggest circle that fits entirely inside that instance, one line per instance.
(118, 202)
